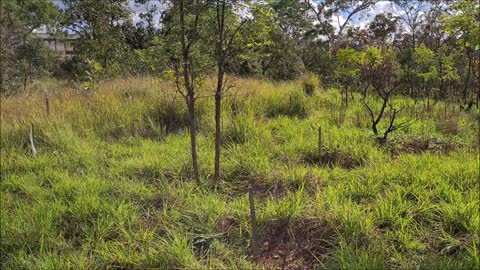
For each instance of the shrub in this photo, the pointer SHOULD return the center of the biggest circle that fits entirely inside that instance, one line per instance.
(310, 82)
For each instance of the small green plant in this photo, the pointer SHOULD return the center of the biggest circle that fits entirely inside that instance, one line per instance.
(93, 71)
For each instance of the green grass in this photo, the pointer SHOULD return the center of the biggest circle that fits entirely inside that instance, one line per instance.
(111, 185)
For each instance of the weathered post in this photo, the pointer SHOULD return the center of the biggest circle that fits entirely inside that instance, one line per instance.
(32, 144)
(253, 221)
(319, 145)
(47, 105)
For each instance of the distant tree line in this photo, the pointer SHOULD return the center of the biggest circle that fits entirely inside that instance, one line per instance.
(435, 42)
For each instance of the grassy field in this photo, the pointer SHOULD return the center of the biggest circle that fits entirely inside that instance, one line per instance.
(111, 185)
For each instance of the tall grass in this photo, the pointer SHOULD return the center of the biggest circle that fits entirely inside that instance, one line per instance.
(111, 184)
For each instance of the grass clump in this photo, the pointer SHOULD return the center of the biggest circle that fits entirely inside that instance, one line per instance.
(310, 82)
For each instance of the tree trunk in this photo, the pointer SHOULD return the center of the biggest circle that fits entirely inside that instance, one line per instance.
(478, 82)
(467, 78)
(428, 102)
(365, 90)
(380, 115)
(190, 87)
(193, 137)
(218, 118)
(221, 55)
(25, 81)
(374, 128)
(442, 83)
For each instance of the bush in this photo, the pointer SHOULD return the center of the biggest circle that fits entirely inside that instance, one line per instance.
(310, 82)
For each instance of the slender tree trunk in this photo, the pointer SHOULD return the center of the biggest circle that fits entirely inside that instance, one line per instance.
(3, 54)
(442, 83)
(193, 138)
(428, 101)
(221, 54)
(478, 97)
(218, 118)
(467, 78)
(379, 117)
(190, 87)
(364, 93)
(2, 70)
(105, 64)
(25, 81)
(478, 81)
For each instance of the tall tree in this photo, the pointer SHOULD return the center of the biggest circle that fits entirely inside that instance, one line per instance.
(465, 24)
(343, 11)
(227, 28)
(184, 28)
(412, 15)
(22, 54)
(426, 70)
(101, 25)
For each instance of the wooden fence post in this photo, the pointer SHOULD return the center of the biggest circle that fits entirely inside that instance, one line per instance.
(253, 221)
(319, 145)
(47, 105)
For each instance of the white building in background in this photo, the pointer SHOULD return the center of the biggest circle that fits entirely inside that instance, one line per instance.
(64, 45)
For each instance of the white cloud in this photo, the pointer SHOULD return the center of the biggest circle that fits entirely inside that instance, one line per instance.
(364, 18)
(139, 9)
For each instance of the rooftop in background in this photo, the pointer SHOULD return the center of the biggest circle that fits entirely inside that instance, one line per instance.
(64, 44)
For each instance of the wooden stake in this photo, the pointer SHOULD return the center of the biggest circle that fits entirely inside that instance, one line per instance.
(47, 105)
(34, 151)
(253, 221)
(319, 145)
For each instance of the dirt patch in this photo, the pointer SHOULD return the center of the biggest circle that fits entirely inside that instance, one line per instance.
(333, 158)
(419, 146)
(298, 245)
